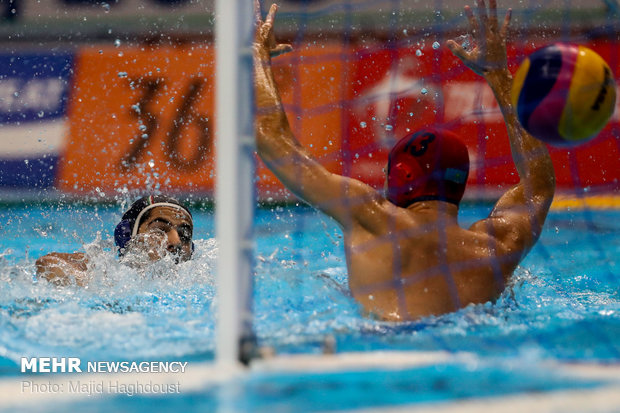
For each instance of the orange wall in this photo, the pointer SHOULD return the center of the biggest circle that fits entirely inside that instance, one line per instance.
(140, 117)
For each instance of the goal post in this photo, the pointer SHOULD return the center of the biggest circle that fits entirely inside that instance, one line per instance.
(235, 166)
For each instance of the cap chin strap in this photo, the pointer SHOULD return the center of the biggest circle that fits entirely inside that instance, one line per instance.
(136, 225)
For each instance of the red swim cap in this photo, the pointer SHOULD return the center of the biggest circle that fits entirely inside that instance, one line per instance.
(431, 164)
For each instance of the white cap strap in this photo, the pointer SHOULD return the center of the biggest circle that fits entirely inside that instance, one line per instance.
(136, 225)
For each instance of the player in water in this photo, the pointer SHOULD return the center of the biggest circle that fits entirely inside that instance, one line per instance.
(154, 226)
(407, 257)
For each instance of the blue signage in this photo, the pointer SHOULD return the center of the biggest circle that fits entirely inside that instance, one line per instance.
(34, 86)
(34, 94)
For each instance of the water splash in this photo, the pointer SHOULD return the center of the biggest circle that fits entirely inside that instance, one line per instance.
(159, 310)
(466, 41)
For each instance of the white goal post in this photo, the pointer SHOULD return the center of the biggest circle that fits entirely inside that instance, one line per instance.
(234, 195)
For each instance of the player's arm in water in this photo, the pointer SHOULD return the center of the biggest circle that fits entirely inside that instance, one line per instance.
(347, 200)
(64, 268)
(518, 217)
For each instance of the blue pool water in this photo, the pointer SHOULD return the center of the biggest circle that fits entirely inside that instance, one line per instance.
(347, 390)
(563, 305)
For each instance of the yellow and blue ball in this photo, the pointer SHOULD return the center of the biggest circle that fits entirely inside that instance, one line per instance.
(564, 94)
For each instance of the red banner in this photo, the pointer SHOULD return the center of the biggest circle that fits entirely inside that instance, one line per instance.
(430, 86)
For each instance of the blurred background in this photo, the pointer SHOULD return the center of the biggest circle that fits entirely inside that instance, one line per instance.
(103, 98)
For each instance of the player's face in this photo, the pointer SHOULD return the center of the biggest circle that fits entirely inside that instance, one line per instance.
(171, 226)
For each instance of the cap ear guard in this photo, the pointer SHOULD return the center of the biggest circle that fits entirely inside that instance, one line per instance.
(122, 234)
(400, 182)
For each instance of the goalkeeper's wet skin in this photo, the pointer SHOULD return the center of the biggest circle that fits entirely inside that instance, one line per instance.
(407, 256)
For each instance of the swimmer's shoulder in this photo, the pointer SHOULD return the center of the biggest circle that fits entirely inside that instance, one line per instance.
(62, 268)
(79, 258)
(382, 218)
(510, 233)
(484, 241)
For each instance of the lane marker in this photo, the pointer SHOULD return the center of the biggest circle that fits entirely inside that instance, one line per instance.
(563, 202)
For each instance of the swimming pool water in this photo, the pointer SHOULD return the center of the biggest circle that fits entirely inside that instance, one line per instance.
(348, 390)
(563, 304)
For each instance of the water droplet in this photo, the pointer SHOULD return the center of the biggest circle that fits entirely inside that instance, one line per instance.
(388, 127)
(362, 124)
(151, 163)
(465, 41)
(136, 108)
(405, 32)
(117, 42)
(106, 7)
(142, 127)
(41, 114)
(436, 45)
(424, 91)
(122, 74)
(418, 52)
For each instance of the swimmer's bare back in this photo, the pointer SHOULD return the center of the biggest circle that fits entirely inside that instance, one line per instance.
(406, 263)
(414, 262)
